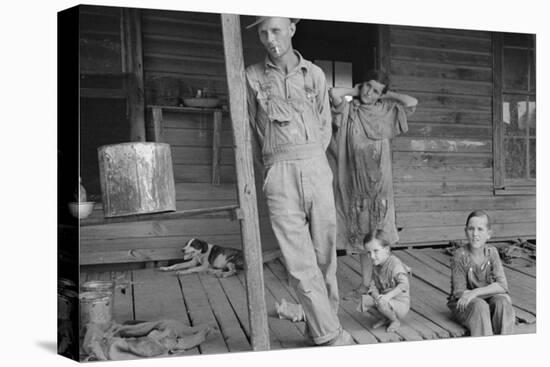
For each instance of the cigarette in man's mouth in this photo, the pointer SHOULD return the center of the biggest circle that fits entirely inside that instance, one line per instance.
(277, 50)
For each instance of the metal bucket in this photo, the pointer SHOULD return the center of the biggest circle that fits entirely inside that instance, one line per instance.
(96, 308)
(102, 289)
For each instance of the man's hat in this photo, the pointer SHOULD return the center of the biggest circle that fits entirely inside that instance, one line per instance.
(261, 19)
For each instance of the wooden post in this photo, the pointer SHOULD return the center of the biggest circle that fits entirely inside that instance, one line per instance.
(498, 158)
(216, 147)
(132, 66)
(158, 132)
(250, 226)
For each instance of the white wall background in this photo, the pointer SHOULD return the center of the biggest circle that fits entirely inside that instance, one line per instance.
(28, 240)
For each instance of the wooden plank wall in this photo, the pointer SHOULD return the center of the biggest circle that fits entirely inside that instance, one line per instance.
(443, 166)
(186, 46)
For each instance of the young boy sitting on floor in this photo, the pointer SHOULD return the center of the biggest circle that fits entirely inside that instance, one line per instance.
(389, 286)
(479, 291)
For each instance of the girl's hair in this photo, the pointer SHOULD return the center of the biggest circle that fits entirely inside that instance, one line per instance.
(379, 76)
(379, 235)
(479, 213)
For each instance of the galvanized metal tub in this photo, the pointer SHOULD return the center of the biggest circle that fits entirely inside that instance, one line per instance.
(136, 178)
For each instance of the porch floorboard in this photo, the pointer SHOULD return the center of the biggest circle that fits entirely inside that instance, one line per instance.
(201, 298)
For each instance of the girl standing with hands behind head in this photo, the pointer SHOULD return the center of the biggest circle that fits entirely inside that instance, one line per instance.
(479, 291)
(361, 149)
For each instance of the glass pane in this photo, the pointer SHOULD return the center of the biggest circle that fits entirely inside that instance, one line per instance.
(532, 117)
(515, 69)
(326, 66)
(514, 114)
(342, 74)
(532, 71)
(532, 158)
(515, 150)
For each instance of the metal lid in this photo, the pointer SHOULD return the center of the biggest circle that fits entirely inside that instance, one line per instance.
(98, 284)
(95, 296)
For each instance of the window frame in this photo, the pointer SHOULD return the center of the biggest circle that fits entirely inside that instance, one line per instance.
(502, 185)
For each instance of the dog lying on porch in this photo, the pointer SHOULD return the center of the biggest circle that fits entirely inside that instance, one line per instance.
(199, 255)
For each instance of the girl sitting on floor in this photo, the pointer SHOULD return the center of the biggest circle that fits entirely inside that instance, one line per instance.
(389, 287)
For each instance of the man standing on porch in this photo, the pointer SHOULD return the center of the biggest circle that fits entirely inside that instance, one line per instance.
(290, 116)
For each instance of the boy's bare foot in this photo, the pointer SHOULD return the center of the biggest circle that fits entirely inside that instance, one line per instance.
(393, 326)
(379, 323)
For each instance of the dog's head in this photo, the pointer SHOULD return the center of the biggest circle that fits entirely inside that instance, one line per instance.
(193, 248)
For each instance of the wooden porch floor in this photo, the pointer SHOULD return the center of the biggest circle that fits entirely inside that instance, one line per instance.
(202, 298)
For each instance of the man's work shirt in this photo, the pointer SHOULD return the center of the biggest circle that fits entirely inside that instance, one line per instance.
(290, 114)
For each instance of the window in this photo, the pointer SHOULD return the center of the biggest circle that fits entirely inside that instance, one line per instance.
(514, 113)
(337, 73)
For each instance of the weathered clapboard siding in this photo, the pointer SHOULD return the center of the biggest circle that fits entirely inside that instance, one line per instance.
(450, 115)
(416, 234)
(477, 103)
(435, 129)
(445, 144)
(428, 190)
(432, 70)
(187, 46)
(442, 166)
(442, 159)
(450, 203)
(162, 240)
(454, 218)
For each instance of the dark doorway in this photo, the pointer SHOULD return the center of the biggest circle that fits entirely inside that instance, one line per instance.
(103, 121)
(344, 50)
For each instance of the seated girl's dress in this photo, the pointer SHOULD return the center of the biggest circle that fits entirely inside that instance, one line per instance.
(385, 277)
(499, 317)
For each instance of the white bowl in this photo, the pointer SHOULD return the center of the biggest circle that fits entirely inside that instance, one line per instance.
(81, 210)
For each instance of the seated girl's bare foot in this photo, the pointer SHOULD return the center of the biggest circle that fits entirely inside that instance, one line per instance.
(379, 323)
(393, 326)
